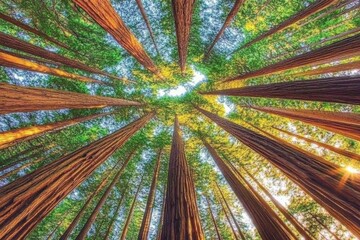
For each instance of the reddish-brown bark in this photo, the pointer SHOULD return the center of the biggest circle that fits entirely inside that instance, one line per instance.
(182, 10)
(145, 225)
(181, 215)
(331, 69)
(269, 226)
(346, 48)
(328, 184)
(344, 123)
(27, 200)
(105, 15)
(343, 89)
(26, 99)
(213, 219)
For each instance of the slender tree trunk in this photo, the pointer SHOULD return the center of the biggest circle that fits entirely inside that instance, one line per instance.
(234, 10)
(229, 221)
(15, 136)
(145, 225)
(308, 11)
(105, 15)
(183, 10)
(131, 211)
(323, 145)
(213, 219)
(33, 58)
(26, 99)
(324, 226)
(265, 220)
(344, 123)
(32, 30)
(343, 89)
(84, 230)
(181, 215)
(143, 14)
(331, 69)
(346, 48)
(328, 184)
(26, 201)
(9, 60)
(161, 220)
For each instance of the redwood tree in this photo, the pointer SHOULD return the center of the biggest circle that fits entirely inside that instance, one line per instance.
(27, 200)
(213, 218)
(331, 69)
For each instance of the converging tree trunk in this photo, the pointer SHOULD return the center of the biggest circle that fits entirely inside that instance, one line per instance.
(105, 15)
(145, 225)
(328, 184)
(181, 215)
(344, 123)
(213, 219)
(27, 200)
(346, 48)
(183, 10)
(228, 220)
(161, 220)
(343, 89)
(331, 69)
(265, 220)
(27, 99)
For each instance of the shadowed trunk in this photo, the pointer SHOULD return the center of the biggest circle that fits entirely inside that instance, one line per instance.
(213, 219)
(344, 123)
(344, 89)
(182, 10)
(331, 69)
(181, 215)
(234, 10)
(346, 48)
(27, 99)
(265, 220)
(12, 137)
(145, 225)
(27, 200)
(105, 15)
(328, 184)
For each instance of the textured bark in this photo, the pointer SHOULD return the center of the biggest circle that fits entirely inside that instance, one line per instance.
(346, 48)
(15, 43)
(131, 211)
(308, 11)
(343, 89)
(145, 225)
(84, 230)
(105, 15)
(33, 58)
(26, 201)
(32, 30)
(15, 136)
(344, 123)
(331, 69)
(343, 152)
(213, 219)
(328, 184)
(234, 10)
(26, 99)
(143, 14)
(268, 225)
(181, 215)
(9, 60)
(182, 10)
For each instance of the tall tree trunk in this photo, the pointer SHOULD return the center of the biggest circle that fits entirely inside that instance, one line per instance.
(143, 14)
(105, 15)
(313, 8)
(344, 123)
(324, 226)
(9, 60)
(234, 10)
(84, 230)
(326, 183)
(343, 89)
(229, 221)
(183, 10)
(213, 219)
(15, 43)
(161, 220)
(331, 69)
(32, 30)
(323, 145)
(265, 220)
(15, 136)
(181, 215)
(131, 211)
(145, 225)
(26, 201)
(346, 48)
(33, 58)
(27, 99)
